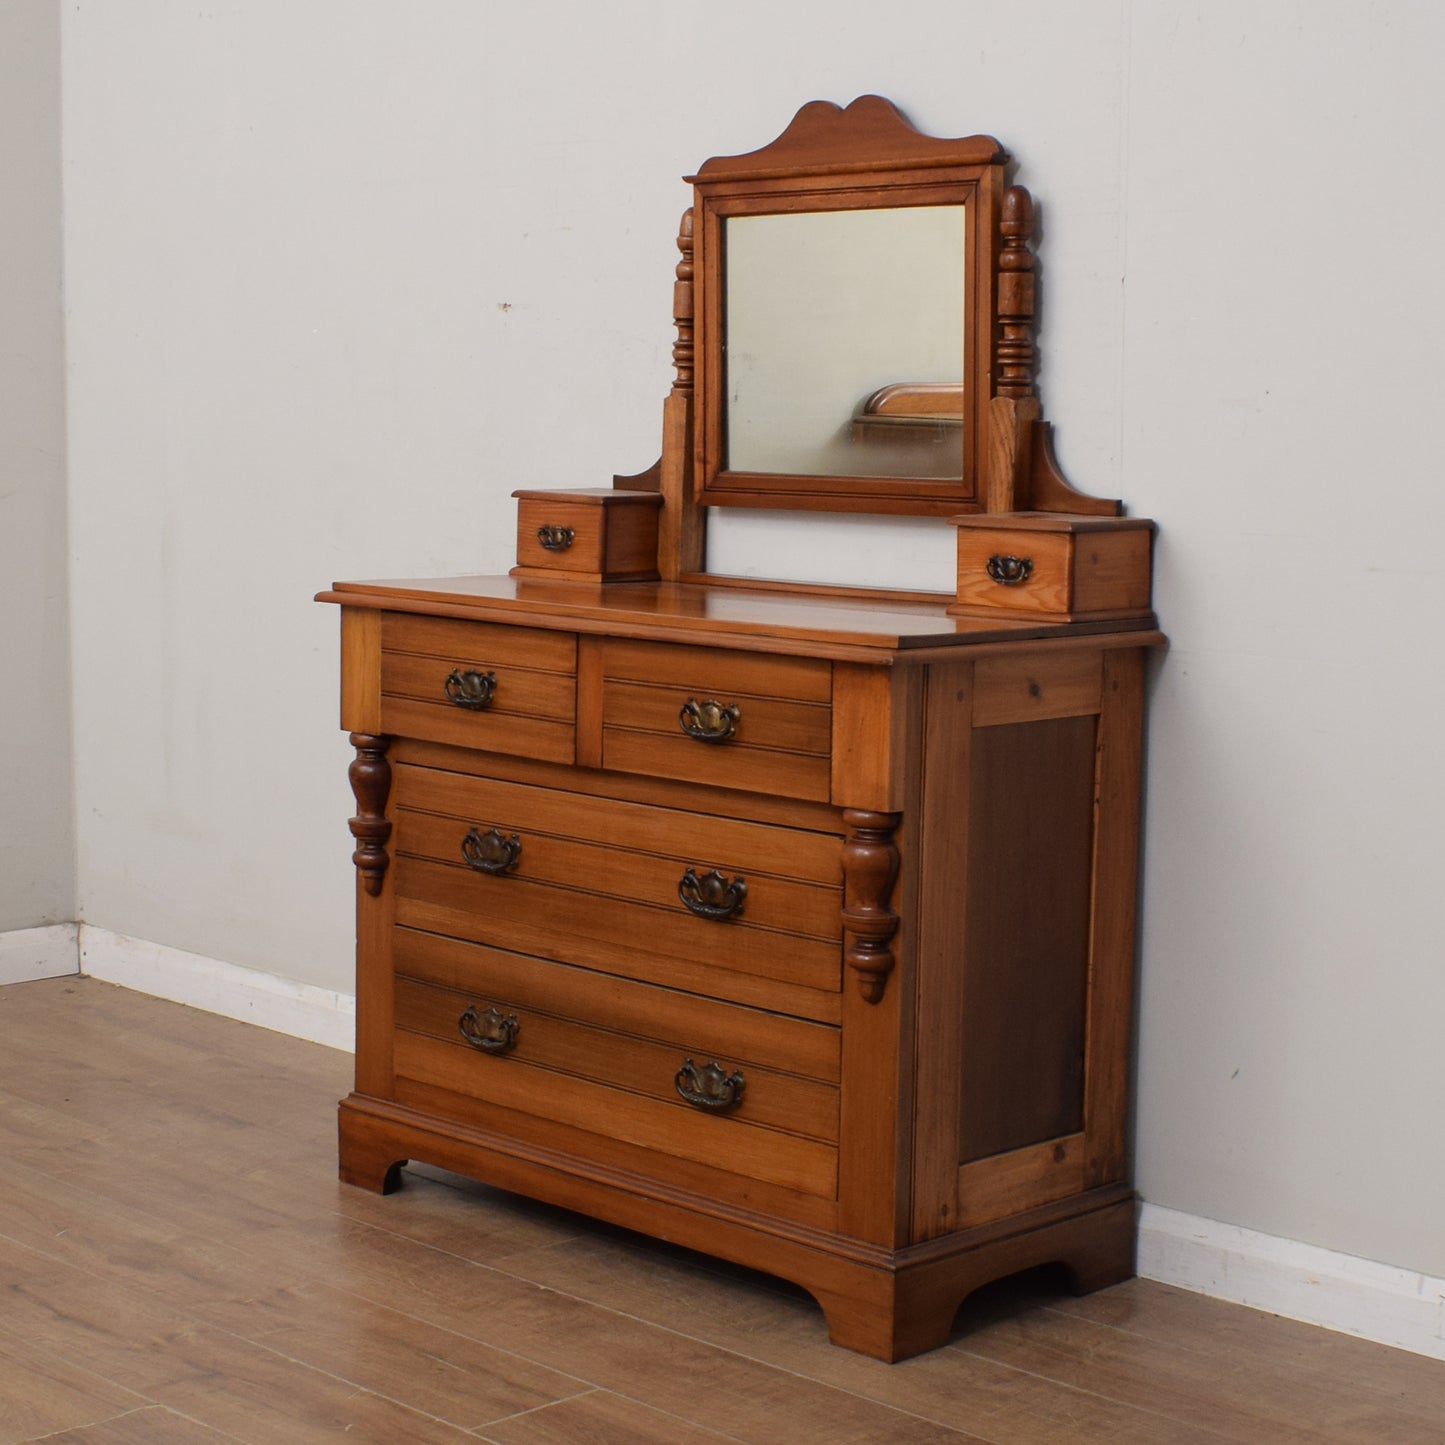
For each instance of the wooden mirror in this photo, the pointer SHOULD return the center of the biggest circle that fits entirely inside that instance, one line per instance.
(844, 333)
(822, 313)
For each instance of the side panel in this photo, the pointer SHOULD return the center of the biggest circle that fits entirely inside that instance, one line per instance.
(1026, 934)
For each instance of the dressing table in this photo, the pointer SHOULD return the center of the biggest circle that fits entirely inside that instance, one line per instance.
(790, 923)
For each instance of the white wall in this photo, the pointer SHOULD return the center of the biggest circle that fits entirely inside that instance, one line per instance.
(1281, 381)
(342, 275)
(37, 835)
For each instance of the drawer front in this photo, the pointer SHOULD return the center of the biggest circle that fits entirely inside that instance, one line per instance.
(716, 906)
(613, 536)
(677, 1077)
(480, 685)
(1027, 572)
(732, 719)
(560, 536)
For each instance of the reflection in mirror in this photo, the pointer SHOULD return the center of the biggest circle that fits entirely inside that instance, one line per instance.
(844, 352)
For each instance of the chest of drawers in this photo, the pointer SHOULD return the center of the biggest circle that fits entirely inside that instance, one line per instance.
(795, 931)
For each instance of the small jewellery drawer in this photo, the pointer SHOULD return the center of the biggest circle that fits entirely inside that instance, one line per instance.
(485, 1032)
(1048, 566)
(712, 905)
(733, 719)
(601, 534)
(480, 685)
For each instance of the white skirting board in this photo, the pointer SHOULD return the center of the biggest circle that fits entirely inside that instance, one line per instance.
(300, 1009)
(27, 954)
(1300, 1281)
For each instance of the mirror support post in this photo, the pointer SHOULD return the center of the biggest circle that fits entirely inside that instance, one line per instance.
(1014, 407)
(1015, 356)
(1010, 424)
(680, 542)
(1021, 474)
(681, 527)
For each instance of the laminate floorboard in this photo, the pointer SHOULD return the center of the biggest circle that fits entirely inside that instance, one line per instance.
(178, 1263)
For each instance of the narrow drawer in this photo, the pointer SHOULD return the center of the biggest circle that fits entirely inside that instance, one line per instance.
(679, 1078)
(715, 906)
(480, 685)
(732, 719)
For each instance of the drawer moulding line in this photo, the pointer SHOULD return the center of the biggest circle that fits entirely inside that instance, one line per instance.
(27, 954)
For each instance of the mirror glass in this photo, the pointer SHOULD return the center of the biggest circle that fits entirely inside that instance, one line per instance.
(844, 342)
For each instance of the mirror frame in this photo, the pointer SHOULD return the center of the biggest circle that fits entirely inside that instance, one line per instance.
(831, 158)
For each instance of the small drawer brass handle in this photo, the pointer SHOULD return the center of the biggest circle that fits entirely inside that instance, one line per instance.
(492, 1032)
(710, 1087)
(712, 895)
(1010, 571)
(555, 539)
(708, 721)
(492, 851)
(471, 689)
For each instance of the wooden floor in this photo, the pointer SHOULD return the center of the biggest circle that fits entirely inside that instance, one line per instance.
(178, 1263)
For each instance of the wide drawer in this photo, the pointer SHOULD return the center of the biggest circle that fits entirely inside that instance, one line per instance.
(734, 719)
(480, 685)
(682, 1078)
(714, 906)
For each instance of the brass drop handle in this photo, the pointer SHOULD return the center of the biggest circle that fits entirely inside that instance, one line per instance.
(708, 721)
(555, 539)
(1009, 571)
(713, 895)
(492, 1031)
(492, 851)
(711, 1087)
(471, 689)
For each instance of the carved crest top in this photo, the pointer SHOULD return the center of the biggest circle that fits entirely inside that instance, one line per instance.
(869, 134)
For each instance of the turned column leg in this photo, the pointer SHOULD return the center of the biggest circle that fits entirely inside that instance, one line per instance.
(370, 776)
(870, 869)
